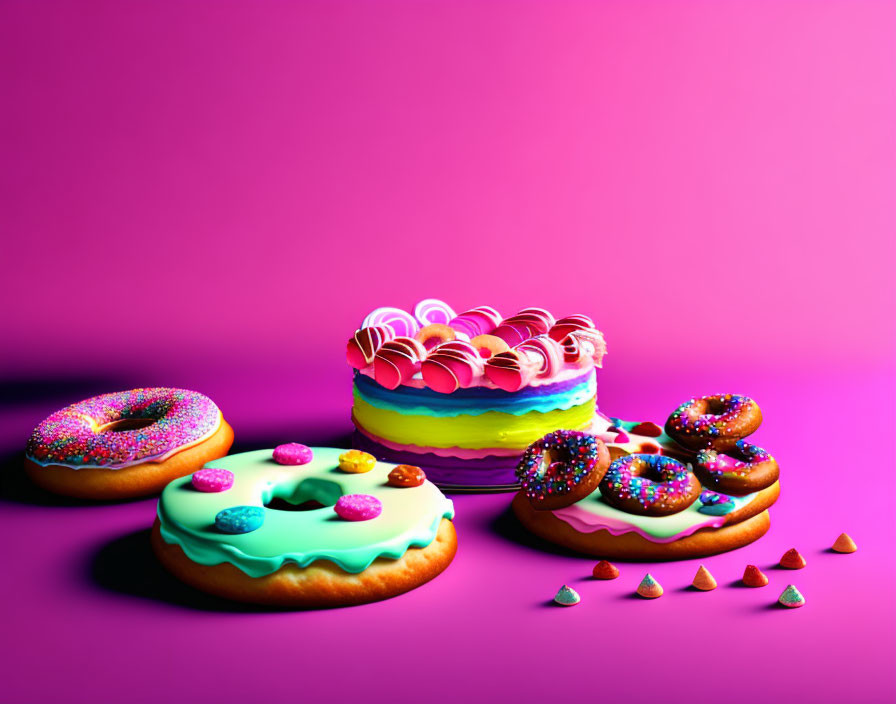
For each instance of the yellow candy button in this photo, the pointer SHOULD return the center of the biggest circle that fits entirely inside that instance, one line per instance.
(356, 462)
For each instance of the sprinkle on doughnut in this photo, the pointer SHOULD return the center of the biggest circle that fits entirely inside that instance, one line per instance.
(406, 476)
(358, 507)
(212, 480)
(567, 596)
(715, 504)
(123, 428)
(292, 453)
(356, 462)
(561, 468)
(649, 485)
(717, 421)
(239, 519)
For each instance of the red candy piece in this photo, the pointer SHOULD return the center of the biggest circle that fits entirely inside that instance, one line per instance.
(792, 560)
(754, 577)
(406, 476)
(651, 430)
(605, 570)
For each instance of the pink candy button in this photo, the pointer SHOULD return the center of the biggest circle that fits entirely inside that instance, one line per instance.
(293, 453)
(358, 507)
(212, 480)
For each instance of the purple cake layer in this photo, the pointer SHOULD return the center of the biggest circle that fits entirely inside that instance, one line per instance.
(447, 471)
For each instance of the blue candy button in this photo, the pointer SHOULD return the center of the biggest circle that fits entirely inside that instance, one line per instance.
(239, 519)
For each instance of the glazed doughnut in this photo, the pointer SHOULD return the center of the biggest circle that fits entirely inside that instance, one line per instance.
(126, 444)
(742, 470)
(561, 468)
(649, 485)
(341, 538)
(716, 421)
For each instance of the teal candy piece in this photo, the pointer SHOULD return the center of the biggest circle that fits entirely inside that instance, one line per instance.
(239, 519)
(567, 596)
(791, 598)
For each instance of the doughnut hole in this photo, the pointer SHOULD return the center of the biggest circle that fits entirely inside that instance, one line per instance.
(308, 495)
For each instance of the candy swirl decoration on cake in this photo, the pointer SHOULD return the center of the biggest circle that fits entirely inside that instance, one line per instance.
(431, 311)
(95, 432)
(451, 366)
(365, 343)
(536, 357)
(651, 485)
(397, 361)
(529, 322)
(582, 343)
(402, 323)
(481, 320)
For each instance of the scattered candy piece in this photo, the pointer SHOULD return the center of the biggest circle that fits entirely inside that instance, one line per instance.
(356, 462)
(649, 588)
(406, 475)
(212, 480)
(358, 507)
(754, 577)
(844, 544)
(791, 598)
(567, 596)
(647, 428)
(792, 560)
(605, 570)
(293, 453)
(703, 580)
(239, 519)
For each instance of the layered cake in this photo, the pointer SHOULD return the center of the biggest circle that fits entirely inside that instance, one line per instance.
(463, 395)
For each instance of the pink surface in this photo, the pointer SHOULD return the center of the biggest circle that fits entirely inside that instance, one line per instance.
(213, 195)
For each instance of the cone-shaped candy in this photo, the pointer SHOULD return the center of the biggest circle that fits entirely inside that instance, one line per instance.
(567, 596)
(754, 577)
(844, 544)
(703, 580)
(792, 560)
(605, 570)
(649, 588)
(791, 598)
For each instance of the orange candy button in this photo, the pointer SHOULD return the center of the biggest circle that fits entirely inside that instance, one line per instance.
(406, 476)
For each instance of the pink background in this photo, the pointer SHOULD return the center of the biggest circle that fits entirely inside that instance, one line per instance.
(213, 194)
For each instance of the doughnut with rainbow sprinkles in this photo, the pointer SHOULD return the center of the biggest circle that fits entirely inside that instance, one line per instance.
(126, 444)
(662, 500)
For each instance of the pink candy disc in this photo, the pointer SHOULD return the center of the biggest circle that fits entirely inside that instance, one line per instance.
(292, 453)
(212, 480)
(358, 507)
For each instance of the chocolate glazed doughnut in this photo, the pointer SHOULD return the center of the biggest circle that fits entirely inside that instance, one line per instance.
(562, 468)
(743, 470)
(716, 422)
(649, 485)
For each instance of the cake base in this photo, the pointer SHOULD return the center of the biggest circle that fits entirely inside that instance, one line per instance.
(321, 584)
(743, 527)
